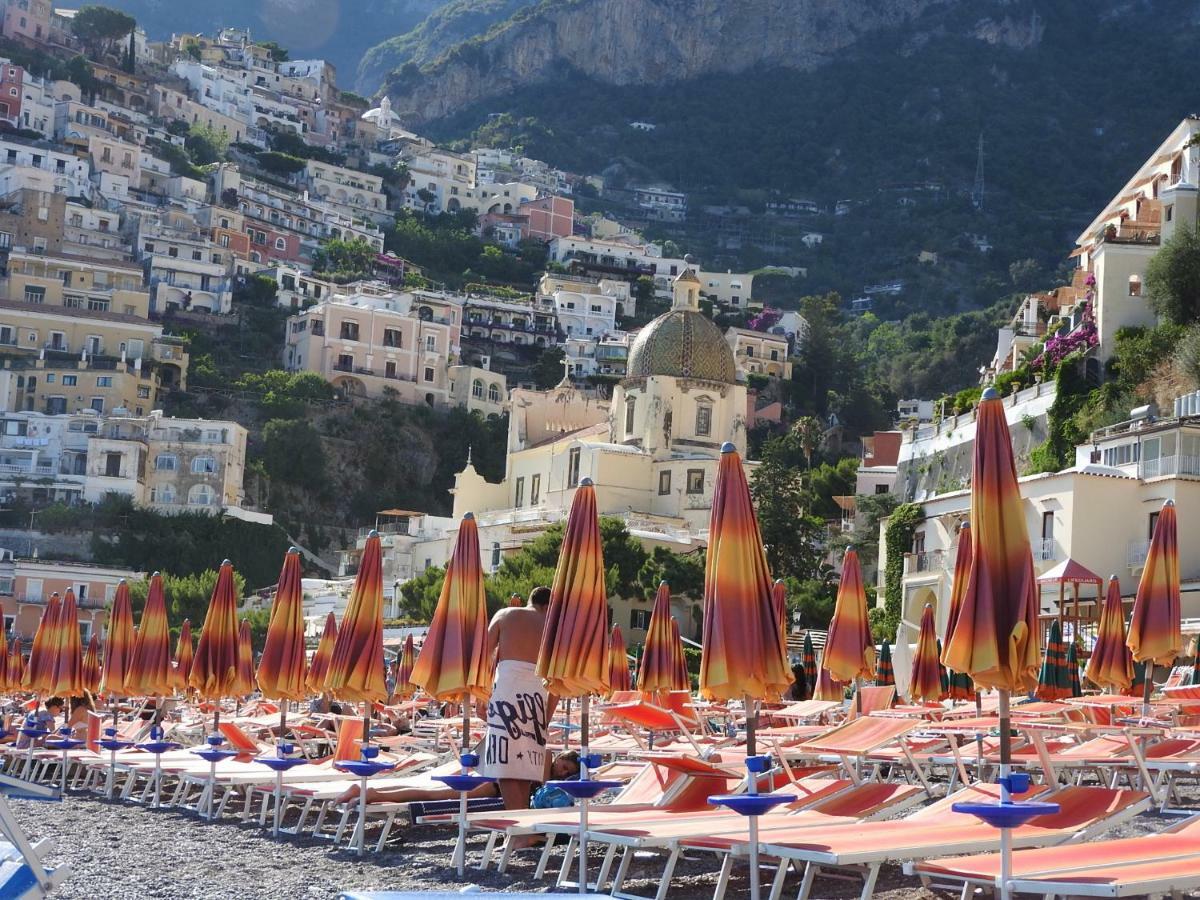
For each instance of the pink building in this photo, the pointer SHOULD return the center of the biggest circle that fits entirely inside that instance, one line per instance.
(549, 217)
(11, 81)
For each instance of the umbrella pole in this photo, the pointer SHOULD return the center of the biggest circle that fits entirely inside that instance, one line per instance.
(583, 801)
(1005, 795)
(978, 738)
(1147, 687)
(360, 833)
(752, 788)
(212, 766)
(279, 774)
(112, 758)
(460, 846)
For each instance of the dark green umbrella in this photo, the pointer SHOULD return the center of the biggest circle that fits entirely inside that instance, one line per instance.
(1054, 682)
(884, 673)
(944, 673)
(1073, 670)
(808, 662)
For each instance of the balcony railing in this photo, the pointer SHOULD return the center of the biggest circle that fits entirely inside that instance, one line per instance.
(1137, 553)
(1188, 466)
(924, 561)
(1044, 549)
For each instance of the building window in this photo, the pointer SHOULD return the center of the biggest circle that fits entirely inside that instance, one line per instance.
(495, 556)
(431, 342)
(204, 465)
(664, 482)
(349, 331)
(520, 501)
(639, 619)
(477, 389)
(1135, 286)
(163, 493)
(535, 490)
(167, 462)
(695, 481)
(34, 294)
(393, 337)
(280, 244)
(630, 410)
(494, 393)
(97, 304)
(389, 370)
(70, 380)
(703, 420)
(429, 373)
(200, 495)
(103, 381)
(345, 363)
(573, 467)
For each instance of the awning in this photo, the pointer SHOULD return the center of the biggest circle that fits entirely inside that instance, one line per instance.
(1070, 572)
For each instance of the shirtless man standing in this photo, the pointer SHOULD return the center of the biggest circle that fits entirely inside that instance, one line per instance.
(519, 709)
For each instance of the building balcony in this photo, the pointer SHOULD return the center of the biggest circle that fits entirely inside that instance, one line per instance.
(1044, 549)
(1165, 466)
(925, 561)
(1137, 552)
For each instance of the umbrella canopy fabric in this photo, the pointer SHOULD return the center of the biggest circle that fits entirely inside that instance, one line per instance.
(744, 646)
(1073, 670)
(39, 671)
(184, 654)
(283, 668)
(67, 651)
(1070, 572)
(1154, 625)
(91, 664)
(453, 663)
(779, 602)
(828, 687)
(995, 637)
(657, 671)
(150, 670)
(16, 666)
(849, 650)
(618, 662)
(885, 674)
(1053, 681)
(244, 682)
(6, 682)
(214, 667)
(318, 668)
(573, 657)
(404, 687)
(682, 680)
(926, 682)
(943, 673)
(808, 665)
(960, 686)
(356, 666)
(118, 645)
(1111, 664)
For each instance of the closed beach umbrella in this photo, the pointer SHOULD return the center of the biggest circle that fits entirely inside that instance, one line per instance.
(944, 673)
(16, 666)
(1053, 681)
(779, 602)
(405, 663)
(744, 650)
(283, 668)
(658, 669)
(1154, 626)
(6, 680)
(828, 687)
(214, 667)
(453, 663)
(118, 645)
(67, 651)
(356, 666)
(618, 662)
(682, 680)
(319, 667)
(1073, 669)
(40, 668)
(885, 675)
(184, 654)
(1110, 666)
(960, 685)
(150, 672)
(244, 681)
(926, 682)
(808, 664)
(849, 649)
(91, 664)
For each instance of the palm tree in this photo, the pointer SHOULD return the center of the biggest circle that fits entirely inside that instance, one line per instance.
(808, 432)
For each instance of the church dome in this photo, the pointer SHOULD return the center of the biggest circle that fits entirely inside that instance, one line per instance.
(683, 343)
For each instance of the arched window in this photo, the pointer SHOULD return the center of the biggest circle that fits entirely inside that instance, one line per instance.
(630, 411)
(164, 493)
(1135, 286)
(201, 495)
(494, 393)
(477, 389)
(280, 244)
(703, 419)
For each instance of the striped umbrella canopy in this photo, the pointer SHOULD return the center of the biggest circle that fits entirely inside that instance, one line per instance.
(1053, 680)
(808, 663)
(849, 650)
(1073, 669)
(404, 669)
(66, 650)
(1154, 625)
(356, 666)
(884, 673)
(214, 667)
(453, 662)
(244, 667)
(944, 673)
(926, 681)
(6, 681)
(319, 667)
(118, 645)
(16, 666)
(184, 654)
(573, 657)
(995, 637)
(283, 668)
(682, 680)
(39, 671)
(779, 602)
(828, 687)
(744, 647)
(960, 685)
(91, 664)
(1111, 664)
(618, 662)
(150, 672)
(657, 671)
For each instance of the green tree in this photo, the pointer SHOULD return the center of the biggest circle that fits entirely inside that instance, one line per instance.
(353, 258)
(206, 144)
(421, 593)
(808, 432)
(278, 54)
(1173, 277)
(684, 572)
(100, 28)
(292, 451)
(792, 535)
(548, 370)
(187, 595)
(280, 164)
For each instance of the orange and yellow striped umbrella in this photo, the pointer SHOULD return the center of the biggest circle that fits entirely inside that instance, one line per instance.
(682, 680)
(40, 670)
(573, 658)
(849, 650)
(961, 686)
(214, 668)
(618, 662)
(16, 666)
(6, 682)
(184, 653)
(828, 687)
(744, 647)
(283, 668)
(150, 673)
(91, 665)
(1154, 624)
(118, 645)
(658, 669)
(779, 602)
(244, 682)
(356, 665)
(926, 682)
(1111, 664)
(453, 663)
(405, 663)
(66, 650)
(995, 638)
(319, 667)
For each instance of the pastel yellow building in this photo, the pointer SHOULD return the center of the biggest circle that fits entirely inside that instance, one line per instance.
(77, 282)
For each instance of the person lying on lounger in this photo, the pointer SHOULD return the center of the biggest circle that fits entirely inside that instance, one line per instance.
(565, 765)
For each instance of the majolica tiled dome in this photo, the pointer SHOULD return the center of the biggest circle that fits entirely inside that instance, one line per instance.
(685, 344)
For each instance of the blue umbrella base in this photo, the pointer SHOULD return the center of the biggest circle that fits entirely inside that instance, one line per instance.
(363, 768)
(280, 763)
(463, 782)
(215, 756)
(157, 747)
(585, 790)
(751, 804)
(1007, 815)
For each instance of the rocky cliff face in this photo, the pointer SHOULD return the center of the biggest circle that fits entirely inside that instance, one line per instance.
(625, 42)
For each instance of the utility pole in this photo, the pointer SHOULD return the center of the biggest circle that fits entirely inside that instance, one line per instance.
(977, 190)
